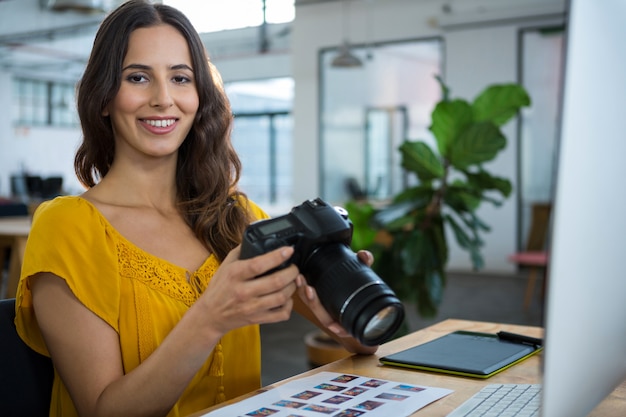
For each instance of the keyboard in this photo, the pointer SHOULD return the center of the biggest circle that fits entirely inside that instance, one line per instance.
(502, 400)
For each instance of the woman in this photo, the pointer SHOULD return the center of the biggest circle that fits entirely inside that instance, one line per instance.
(135, 288)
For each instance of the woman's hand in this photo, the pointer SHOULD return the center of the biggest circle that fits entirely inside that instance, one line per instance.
(309, 305)
(239, 294)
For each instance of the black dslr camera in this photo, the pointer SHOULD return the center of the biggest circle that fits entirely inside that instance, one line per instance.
(349, 290)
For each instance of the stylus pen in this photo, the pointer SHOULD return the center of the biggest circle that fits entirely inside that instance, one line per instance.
(519, 338)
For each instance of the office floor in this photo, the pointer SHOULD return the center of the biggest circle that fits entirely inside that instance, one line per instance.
(468, 296)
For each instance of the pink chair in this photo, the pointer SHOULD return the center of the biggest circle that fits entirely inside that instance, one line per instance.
(535, 256)
(537, 262)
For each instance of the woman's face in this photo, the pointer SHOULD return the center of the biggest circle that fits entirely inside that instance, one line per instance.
(156, 104)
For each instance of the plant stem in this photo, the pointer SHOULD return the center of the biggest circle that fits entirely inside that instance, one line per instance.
(434, 207)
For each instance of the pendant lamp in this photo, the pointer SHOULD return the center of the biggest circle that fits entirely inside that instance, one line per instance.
(345, 58)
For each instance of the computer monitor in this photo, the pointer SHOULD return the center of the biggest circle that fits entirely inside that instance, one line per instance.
(585, 347)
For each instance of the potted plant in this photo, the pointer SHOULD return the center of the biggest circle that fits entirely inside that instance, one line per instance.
(408, 236)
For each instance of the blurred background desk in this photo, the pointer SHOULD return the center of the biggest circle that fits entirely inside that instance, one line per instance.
(528, 371)
(13, 235)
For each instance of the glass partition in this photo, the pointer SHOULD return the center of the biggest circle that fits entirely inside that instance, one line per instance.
(369, 110)
(262, 136)
(542, 73)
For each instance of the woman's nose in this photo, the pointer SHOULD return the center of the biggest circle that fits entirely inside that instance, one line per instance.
(161, 96)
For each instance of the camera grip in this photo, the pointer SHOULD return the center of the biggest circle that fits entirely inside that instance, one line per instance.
(250, 250)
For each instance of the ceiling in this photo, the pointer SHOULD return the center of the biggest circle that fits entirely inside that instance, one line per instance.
(52, 40)
(54, 55)
(49, 40)
(59, 51)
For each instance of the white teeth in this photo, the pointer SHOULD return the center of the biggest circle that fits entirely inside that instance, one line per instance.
(160, 123)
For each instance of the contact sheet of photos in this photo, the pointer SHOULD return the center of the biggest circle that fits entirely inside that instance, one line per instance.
(336, 395)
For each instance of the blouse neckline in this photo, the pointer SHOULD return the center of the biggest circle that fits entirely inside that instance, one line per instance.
(188, 274)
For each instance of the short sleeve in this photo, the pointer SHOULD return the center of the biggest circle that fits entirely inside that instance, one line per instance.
(70, 239)
(255, 211)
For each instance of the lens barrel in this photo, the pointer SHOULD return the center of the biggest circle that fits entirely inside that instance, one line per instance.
(353, 294)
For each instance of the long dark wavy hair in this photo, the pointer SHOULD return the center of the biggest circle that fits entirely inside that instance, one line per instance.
(208, 168)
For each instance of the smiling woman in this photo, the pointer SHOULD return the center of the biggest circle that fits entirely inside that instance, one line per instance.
(145, 264)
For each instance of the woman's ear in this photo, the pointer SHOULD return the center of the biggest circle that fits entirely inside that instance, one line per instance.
(105, 112)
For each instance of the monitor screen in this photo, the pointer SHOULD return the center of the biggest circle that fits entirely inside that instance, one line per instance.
(585, 352)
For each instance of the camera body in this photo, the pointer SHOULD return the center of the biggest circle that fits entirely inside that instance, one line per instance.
(306, 227)
(350, 291)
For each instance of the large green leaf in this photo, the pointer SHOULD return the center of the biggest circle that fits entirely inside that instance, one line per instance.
(363, 233)
(466, 242)
(462, 238)
(397, 215)
(499, 103)
(401, 223)
(419, 158)
(462, 196)
(485, 181)
(429, 292)
(417, 253)
(439, 242)
(480, 143)
(449, 119)
(474, 222)
(435, 282)
(420, 195)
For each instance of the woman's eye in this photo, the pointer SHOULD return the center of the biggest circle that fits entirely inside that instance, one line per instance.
(181, 79)
(136, 78)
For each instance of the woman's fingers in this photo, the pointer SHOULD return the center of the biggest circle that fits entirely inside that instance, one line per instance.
(274, 290)
(252, 291)
(366, 257)
(308, 295)
(260, 264)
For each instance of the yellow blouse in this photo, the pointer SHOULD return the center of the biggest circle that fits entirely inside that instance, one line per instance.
(139, 295)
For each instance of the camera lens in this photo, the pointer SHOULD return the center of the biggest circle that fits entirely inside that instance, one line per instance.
(381, 321)
(353, 294)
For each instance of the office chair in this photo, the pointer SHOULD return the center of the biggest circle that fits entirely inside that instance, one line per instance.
(13, 209)
(8, 208)
(535, 255)
(26, 375)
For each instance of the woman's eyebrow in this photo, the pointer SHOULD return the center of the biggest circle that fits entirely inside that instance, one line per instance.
(181, 67)
(136, 66)
(147, 67)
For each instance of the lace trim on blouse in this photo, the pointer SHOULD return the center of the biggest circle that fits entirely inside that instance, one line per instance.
(163, 276)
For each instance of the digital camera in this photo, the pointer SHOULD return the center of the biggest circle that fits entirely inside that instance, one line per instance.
(352, 293)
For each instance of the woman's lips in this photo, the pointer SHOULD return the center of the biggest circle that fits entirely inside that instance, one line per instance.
(159, 126)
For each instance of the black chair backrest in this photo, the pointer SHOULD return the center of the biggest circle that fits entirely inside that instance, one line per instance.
(26, 375)
(13, 209)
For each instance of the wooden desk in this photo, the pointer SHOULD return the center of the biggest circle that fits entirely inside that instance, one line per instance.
(527, 371)
(13, 234)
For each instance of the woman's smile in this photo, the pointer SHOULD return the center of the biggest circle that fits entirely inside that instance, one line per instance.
(159, 126)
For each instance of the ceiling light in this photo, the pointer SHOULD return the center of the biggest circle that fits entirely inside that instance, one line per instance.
(345, 58)
(84, 6)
